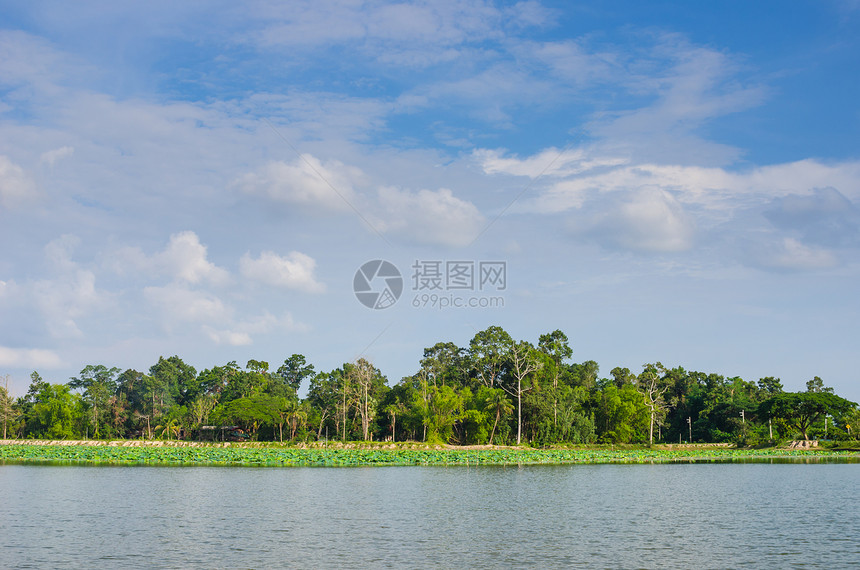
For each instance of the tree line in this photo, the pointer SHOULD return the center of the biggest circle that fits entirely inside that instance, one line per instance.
(496, 390)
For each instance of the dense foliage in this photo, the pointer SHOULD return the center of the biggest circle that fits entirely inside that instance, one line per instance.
(496, 390)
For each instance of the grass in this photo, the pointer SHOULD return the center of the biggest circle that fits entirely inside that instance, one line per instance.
(417, 454)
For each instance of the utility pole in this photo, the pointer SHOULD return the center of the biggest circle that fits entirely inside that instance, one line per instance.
(770, 428)
(690, 427)
(743, 418)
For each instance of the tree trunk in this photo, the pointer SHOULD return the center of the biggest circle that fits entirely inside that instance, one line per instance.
(495, 423)
(519, 411)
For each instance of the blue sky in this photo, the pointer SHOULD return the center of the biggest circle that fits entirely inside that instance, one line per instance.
(665, 181)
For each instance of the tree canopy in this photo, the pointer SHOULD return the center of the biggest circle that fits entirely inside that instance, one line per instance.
(494, 390)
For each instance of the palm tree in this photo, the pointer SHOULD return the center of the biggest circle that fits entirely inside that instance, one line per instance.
(392, 410)
(170, 426)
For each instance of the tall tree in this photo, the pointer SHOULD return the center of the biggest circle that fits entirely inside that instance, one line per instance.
(295, 370)
(444, 364)
(366, 381)
(556, 347)
(652, 386)
(488, 355)
(817, 385)
(324, 396)
(99, 385)
(174, 381)
(523, 362)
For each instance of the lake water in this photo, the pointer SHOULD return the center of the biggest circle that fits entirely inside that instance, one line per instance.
(618, 516)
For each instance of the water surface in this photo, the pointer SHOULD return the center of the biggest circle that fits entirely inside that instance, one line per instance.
(621, 516)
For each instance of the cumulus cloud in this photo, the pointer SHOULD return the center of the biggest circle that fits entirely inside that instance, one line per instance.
(305, 182)
(429, 217)
(29, 358)
(292, 271)
(15, 185)
(184, 259)
(646, 220)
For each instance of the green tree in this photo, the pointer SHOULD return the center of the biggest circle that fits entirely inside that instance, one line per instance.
(99, 385)
(444, 408)
(324, 396)
(250, 412)
(817, 385)
(54, 412)
(801, 410)
(488, 355)
(444, 364)
(555, 346)
(294, 371)
(769, 386)
(173, 381)
(621, 414)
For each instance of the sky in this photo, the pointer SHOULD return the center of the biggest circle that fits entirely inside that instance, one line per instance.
(663, 181)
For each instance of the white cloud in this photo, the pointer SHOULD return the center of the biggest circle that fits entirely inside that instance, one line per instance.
(53, 156)
(293, 271)
(305, 182)
(406, 33)
(15, 185)
(240, 333)
(63, 301)
(647, 220)
(429, 217)
(29, 358)
(573, 63)
(550, 162)
(178, 303)
(712, 188)
(232, 338)
(26, 59)
(69, 296)
(184, 259)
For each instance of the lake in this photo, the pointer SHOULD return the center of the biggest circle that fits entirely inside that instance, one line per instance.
(710, 515)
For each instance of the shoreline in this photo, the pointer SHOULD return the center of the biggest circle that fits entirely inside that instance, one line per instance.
(180, 453)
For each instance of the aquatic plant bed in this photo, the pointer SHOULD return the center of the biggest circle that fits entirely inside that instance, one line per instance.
(107, 454)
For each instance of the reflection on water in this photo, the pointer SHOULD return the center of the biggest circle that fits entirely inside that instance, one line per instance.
(708, 515)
